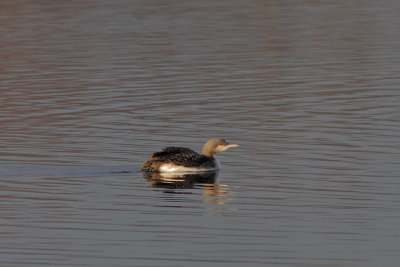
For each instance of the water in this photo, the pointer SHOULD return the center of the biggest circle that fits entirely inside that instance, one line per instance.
(308, 89)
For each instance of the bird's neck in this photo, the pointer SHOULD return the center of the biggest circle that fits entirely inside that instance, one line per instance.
(207, 152)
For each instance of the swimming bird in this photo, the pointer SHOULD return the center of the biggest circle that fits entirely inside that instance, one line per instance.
(182, 159)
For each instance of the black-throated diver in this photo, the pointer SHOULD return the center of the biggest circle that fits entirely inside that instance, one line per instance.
(182, 159)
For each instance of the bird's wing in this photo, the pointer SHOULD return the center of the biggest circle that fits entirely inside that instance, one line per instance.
(173, 150)
(181, 156)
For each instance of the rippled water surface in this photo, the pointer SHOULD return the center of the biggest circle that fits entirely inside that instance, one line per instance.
(309, 89)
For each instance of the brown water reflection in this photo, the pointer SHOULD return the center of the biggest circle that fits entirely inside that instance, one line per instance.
(180, 180)
(214, 193)
(217, 193)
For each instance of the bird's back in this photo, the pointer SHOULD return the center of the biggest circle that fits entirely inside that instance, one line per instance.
(178, 156)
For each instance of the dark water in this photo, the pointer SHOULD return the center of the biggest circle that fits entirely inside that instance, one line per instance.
(309, 89)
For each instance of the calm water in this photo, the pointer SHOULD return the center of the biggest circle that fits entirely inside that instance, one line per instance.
(309, 89)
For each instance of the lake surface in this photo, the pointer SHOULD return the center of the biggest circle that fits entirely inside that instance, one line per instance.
(309, 89)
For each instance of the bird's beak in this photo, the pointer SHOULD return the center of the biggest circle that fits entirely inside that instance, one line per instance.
(232, 145)
(225, 147)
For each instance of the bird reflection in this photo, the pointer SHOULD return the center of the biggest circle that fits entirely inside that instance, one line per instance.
(216, 193)
(213, 193)
(180, 180)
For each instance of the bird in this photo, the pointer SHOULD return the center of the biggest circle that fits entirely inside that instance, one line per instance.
(182, 159)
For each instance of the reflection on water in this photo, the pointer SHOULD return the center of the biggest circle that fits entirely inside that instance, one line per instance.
(180, 180)
(217, 193)
(213, 192)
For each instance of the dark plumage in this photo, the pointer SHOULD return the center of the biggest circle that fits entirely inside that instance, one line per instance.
(180, 156)
(172, 159)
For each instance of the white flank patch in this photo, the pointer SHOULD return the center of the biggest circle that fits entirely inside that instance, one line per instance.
(169, 167)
